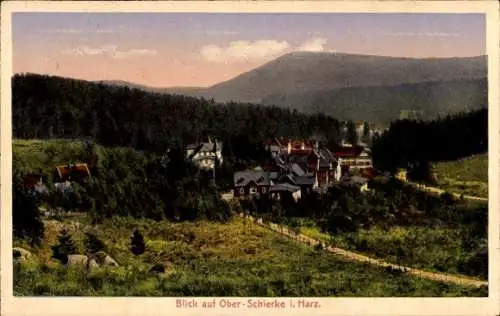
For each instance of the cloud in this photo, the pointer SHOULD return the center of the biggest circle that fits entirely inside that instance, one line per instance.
(109, 50)
(239, 51)
(244, 50)
(315, 44)
(430, 34)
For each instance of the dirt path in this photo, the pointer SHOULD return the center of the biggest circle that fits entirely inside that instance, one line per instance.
(441, 191)
(461, 280)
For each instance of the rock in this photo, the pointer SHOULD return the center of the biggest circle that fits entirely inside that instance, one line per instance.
(75, 260)
(104, 260)
(110, 262)
(21, 254)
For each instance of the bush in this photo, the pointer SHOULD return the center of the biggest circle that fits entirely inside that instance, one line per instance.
(137, 245)
(65, 247)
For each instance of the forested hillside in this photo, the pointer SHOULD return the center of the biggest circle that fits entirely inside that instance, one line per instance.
(382, 105)
(413, 144)
(55, 107)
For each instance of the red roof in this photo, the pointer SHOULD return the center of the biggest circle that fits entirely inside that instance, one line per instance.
(349, 151)
(79, 169)
(32, 180)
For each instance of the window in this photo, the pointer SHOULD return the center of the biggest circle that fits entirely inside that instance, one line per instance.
(242, 190)
(253, 190)
(264, 189)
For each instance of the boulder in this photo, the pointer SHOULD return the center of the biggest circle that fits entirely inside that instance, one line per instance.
(21, 254)
(104, 260)
(82, 260)
(110, 262)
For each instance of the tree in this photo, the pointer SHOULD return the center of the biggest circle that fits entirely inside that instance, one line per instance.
(65, 247)
(93, 244)
(351, 133)
(138, 247)
(27, 220)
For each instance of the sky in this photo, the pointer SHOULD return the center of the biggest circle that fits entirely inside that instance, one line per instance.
(202, 49)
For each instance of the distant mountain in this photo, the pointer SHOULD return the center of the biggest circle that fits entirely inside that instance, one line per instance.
(304, 72)
(375, 88)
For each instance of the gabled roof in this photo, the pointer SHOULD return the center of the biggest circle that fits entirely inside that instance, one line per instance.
(297, 170)
(67, 172)
(204, 147)
(243, 178)
(305, 180)
(32, 180)
(284, 187)
(299, 180)
(327, 154)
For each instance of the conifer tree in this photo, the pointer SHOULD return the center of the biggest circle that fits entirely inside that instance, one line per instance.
(65, 247)
(137, 243)
(93, 244)
(27, 220)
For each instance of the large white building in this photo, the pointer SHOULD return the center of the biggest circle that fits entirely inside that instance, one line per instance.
(205, 155)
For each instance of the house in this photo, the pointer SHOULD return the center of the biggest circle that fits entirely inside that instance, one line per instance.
(251, 183)
(205, 155)
(306, 183)
(307, 158)
(35, 183)
(279, 190)
(72, 172)
(327, 169)
(278, 146)
(66, 174)
(356, 158)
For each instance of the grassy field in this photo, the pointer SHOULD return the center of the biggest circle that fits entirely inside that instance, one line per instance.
(468, 176)
(435, 249)
(212, 259)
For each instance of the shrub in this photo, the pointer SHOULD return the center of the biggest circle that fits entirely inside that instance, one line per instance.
(65, 247)
(138, 245)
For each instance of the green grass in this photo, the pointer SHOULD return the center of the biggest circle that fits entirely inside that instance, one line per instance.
(428, 248)
(42, 156)
(468, 176)
(212, 259)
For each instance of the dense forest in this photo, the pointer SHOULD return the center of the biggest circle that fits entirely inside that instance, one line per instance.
(414, 144)
(55, 107)
(381, 105)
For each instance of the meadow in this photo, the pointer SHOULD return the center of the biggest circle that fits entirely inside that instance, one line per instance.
(210, 259)
(467, 176)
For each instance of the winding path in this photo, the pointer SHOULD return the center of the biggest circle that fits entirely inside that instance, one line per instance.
(441, 191)
(448, 278)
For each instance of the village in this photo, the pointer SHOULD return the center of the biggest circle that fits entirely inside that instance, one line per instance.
(299, 167)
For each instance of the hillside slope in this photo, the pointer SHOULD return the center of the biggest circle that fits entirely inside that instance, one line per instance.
(301, 72)
(383, 104)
